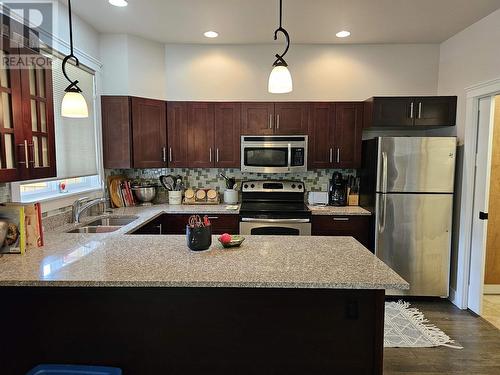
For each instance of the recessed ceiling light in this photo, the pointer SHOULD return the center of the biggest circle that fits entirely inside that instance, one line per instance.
(211, 34)
(118, 3)
(343, 34)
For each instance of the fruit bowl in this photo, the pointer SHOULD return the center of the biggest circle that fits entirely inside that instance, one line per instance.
(236, 241)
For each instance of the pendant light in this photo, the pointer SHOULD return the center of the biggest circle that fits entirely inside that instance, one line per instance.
(280, 79)
(73, 103)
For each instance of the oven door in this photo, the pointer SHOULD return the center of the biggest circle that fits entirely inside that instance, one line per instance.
(279, 227)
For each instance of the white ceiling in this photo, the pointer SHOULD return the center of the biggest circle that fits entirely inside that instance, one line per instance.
(308, 21)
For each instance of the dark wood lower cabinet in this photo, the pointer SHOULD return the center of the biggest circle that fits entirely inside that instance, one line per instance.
(166, 330)
(176, 224)
(358, 227)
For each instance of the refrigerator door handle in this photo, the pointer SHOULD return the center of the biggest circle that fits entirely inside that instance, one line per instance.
(381, 221)
(384, 172)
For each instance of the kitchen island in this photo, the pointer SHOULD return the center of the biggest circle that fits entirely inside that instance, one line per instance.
(147, 304)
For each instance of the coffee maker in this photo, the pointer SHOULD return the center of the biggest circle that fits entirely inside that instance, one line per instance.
(338, 190)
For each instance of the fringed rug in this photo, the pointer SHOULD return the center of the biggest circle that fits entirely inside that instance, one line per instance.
(407, 327)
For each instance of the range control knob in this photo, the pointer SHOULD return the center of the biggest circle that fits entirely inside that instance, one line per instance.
(300, 187)
(293, 186)
(252, 186)
(245, 186)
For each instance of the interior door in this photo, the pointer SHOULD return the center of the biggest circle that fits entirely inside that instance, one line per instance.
(321, 126)
(413, 237)
(291, 118)
(481, 201)
(435, 111)
(348, 135)
(227, 135)
(149, 125)
(201, 135)
(257, 118)
(177, 120)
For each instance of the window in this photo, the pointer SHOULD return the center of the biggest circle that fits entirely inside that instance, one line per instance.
(76, 145)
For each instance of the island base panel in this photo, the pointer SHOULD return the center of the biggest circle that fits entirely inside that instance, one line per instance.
(194, 330)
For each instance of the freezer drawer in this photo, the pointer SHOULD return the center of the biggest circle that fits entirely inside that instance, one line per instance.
(413, 237)
(416, 164)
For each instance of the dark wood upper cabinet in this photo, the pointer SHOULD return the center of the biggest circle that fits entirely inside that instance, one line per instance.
(406, 112)
(257, 118)
(435, 111)
(291, 118)
(149, 129)
(177, 120)
(348, 135)
(201, 135)
(321, 131)
(27, 138)
(227, 135)
(116, 132)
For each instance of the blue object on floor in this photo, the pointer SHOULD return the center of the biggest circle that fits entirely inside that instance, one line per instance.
(74, 370)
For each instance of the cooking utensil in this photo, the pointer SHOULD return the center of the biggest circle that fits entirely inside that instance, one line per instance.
(144, 194)
(196, 222)
(168, 182)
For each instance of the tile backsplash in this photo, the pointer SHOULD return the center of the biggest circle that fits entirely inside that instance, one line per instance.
(315, 180)
(4, 192)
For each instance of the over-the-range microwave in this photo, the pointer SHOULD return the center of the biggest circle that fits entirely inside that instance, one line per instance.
(274, 153)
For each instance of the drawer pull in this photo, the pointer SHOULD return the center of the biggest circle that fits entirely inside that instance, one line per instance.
(213, 217)
(340, 219)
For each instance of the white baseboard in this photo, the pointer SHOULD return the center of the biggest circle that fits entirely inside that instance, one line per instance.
(491, 288)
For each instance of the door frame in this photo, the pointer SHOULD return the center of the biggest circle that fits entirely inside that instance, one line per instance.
(460, 296)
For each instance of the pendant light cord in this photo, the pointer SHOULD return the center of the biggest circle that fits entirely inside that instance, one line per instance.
(279, 58)
(73, 84)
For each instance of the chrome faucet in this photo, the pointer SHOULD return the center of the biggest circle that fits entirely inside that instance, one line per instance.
(83, 204)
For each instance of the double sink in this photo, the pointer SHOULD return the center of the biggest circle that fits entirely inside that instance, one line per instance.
(105, 225)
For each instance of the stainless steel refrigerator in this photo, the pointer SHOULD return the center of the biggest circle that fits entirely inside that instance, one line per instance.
(407, 182)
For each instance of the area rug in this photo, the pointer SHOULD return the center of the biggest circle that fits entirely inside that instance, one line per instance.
(407, 327)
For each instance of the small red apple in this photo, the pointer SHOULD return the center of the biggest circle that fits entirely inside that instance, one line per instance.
(226, 238)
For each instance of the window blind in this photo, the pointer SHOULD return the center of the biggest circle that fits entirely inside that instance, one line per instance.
(76, 153)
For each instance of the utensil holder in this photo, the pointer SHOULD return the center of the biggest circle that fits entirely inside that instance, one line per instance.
(200, 238)
(175, 197)
(230, 196)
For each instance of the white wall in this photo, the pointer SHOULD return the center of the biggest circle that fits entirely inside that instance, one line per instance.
(468, 58)
(320, 72)
(133, 66)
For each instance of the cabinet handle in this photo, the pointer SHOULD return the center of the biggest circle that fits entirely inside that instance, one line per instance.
(26, 157)
(340, 219)
(164, 154)
(25, 162)
(217, 155)
(338, 155)
(213, 217)
(419, 116)
(331, 155)
(170, 154)
(270, 121)
(210, 154)
(159, 228)
(411, 110)
(277, 121)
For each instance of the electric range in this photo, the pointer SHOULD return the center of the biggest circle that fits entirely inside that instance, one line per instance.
(274, 208)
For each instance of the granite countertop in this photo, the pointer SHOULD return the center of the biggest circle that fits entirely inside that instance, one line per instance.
(340, 211)
(120, 259)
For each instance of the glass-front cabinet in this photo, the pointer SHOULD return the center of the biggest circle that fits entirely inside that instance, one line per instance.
(27, 149)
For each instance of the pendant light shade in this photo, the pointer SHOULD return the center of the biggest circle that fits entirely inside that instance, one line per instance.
(280, 80)
(74, 105)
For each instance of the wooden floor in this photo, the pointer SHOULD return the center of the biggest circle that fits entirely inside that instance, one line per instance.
(491, 309)
(480, 339)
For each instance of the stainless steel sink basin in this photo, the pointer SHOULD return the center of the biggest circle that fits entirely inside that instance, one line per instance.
(113, 221)
(99, 229)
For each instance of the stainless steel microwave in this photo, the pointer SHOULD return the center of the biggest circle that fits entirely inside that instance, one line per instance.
(274, 153)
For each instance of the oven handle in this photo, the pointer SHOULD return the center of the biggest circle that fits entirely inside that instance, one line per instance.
(283, 221)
